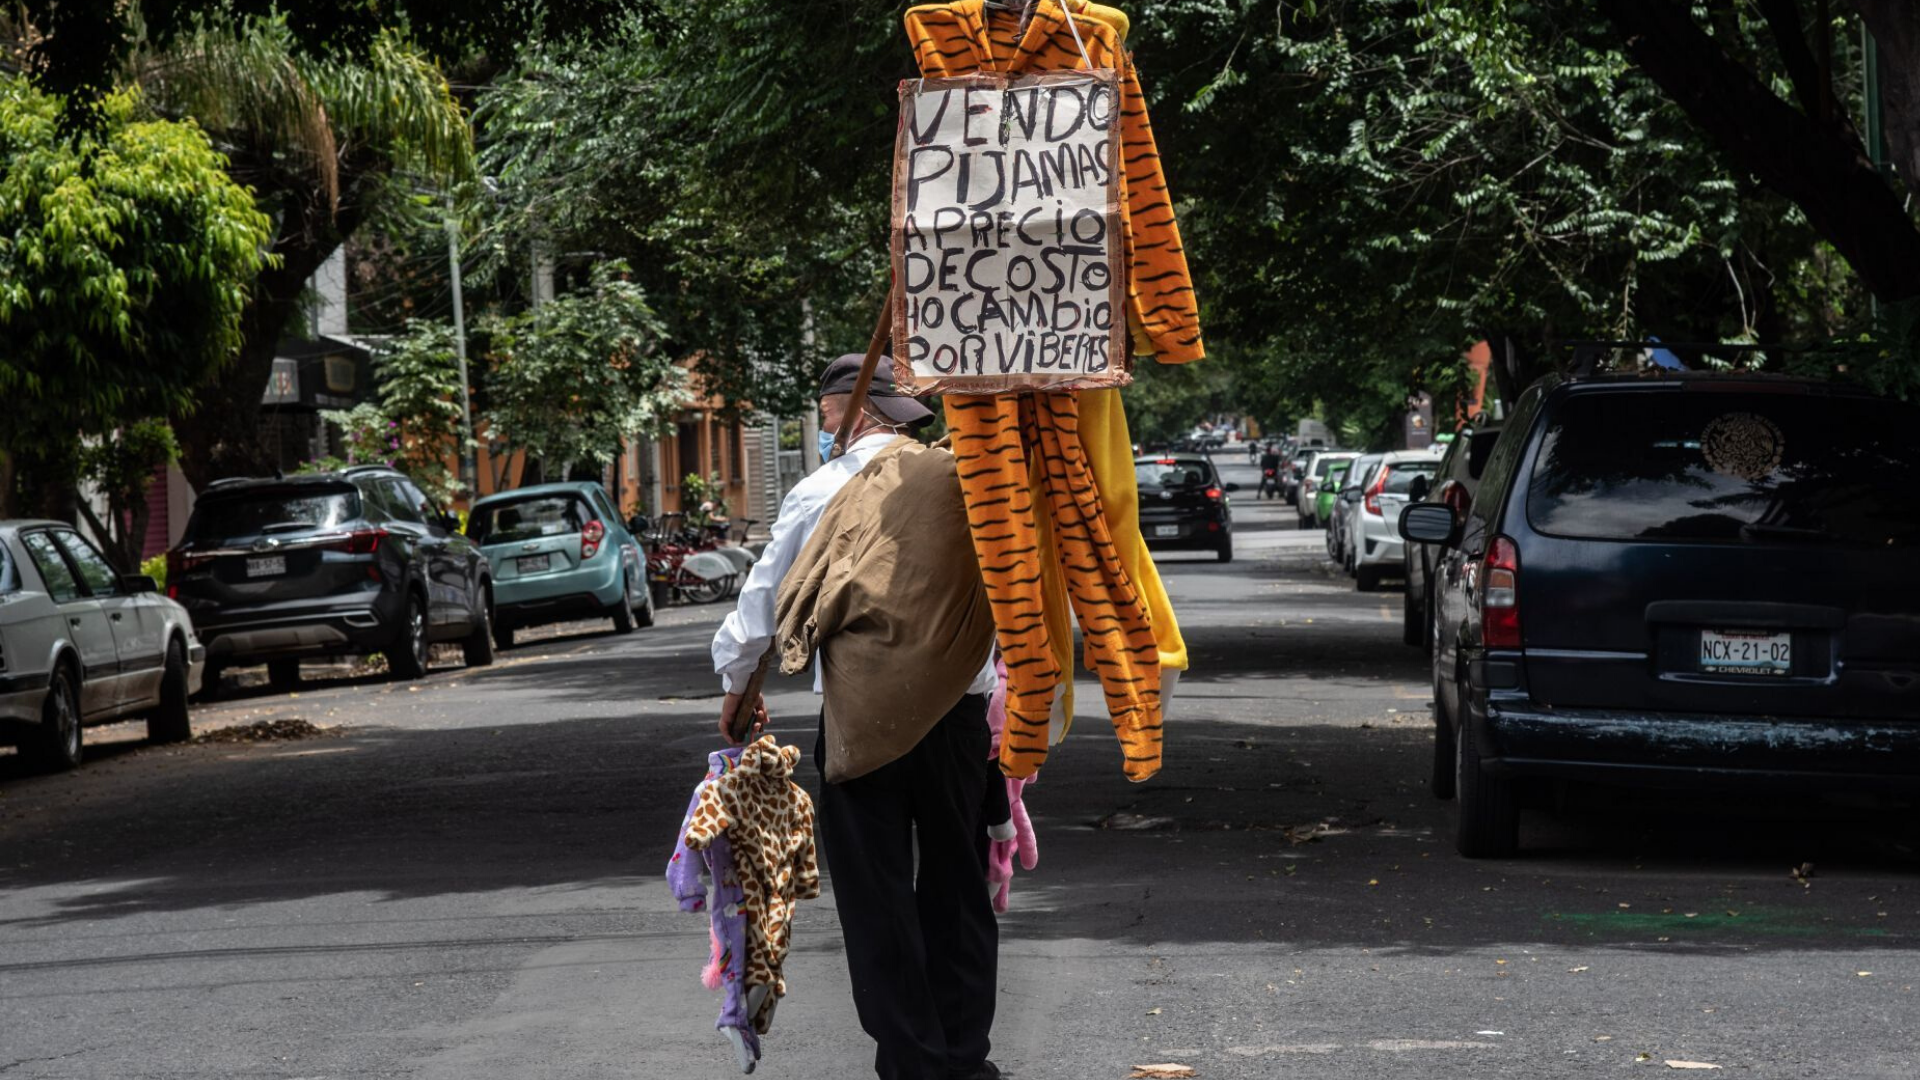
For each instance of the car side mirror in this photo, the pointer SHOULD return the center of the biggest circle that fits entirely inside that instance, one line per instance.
(1430, 523)
(1231, 486)
(138, 583)
(638, 525)
(449, 521)
(1417, 491)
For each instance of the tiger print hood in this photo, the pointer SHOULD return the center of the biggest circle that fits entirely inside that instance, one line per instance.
(768, 758)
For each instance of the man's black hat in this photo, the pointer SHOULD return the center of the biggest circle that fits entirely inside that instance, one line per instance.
(883, 394)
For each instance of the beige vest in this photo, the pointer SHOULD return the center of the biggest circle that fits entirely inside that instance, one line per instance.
(888, 590)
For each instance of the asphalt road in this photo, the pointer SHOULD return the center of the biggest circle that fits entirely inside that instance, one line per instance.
(462, 878)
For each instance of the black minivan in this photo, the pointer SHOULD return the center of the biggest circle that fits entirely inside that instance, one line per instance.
(1683, 580)
(327, 564)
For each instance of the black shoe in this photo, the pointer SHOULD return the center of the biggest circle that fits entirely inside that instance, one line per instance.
(986, 1070)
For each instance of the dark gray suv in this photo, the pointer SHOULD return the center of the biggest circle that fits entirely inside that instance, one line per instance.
(329, 564)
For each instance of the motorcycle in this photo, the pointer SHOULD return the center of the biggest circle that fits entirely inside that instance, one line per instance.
(1269, 482)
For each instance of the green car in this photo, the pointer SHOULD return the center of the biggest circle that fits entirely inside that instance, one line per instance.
(1329, 491)
(560, 552)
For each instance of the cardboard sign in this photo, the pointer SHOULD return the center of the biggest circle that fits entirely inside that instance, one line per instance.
(1009, 261)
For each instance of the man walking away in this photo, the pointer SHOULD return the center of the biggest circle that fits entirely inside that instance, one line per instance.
(922, 948)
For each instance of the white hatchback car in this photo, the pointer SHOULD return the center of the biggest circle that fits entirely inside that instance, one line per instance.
(83, 644)
(1373, 523)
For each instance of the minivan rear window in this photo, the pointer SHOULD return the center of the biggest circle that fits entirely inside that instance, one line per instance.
(243, 514)
(1729, 467)
(528, 519)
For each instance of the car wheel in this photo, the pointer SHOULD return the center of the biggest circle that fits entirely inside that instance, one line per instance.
(477, 649)
(283, 674)
(1486, 823)
(643, 616)
(1225, 551)
(623, 608)
(1441, 782)
(1413, 616)
(1367, 578)
(169, 722)
(55, 746)
(502, 636)
(407, 656)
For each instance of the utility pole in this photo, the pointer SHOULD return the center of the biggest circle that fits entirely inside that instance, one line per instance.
(469, 465)
(1871, 129)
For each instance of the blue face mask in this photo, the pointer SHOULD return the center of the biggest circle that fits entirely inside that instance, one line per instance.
(826, 445)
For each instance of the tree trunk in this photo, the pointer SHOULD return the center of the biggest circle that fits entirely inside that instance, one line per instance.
(1821, 167)
(221, 436)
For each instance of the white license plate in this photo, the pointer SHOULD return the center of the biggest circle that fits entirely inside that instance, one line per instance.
(267, 566)
(535, 564)
(1166, 530)
(1746, 652)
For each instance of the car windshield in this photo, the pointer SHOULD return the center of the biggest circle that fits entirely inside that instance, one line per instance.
(242, 514)
(527, 519)
(1334, 476)
(1400, 478)
(1172, 472)
(1730, 467)
(1324, 463)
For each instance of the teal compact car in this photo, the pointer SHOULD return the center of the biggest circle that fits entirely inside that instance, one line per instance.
(560, 552)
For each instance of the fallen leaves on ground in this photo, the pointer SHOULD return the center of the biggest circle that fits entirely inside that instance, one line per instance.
(263, 731)
(1690, 1065)
(1166, 1071)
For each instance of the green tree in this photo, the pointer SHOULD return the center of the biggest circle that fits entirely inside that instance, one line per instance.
(570, 379)
(120, 465)
(415, 425)
(125, 261)
(1771, 84)
(321, 140)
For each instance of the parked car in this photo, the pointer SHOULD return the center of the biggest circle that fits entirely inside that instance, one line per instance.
(559, 552)
(1453, 483)
(82, 644)
(1183, 505)
(1373, 535)
(358, 561)
(1313, 475)
(1359, 475)
(1697, 580)
(1327, 496)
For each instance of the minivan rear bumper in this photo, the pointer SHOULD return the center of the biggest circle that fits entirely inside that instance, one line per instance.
(1696, 749)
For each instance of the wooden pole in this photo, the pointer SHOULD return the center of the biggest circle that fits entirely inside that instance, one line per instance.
(756, 683)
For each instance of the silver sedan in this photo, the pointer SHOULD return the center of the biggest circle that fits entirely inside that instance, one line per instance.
(83, 644)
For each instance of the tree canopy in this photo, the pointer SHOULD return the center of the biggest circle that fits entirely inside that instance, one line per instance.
(125, 259)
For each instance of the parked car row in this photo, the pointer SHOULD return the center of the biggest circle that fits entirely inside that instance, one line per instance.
(361, 562)
(1696, 581)
(279, 570)
(1357, 498)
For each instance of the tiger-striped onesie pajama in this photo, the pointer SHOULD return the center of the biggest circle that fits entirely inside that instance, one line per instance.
(1037, 467)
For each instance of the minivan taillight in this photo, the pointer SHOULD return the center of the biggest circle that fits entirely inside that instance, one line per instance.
(1215, 494)
(1500, 596)
(1373, 491)
(357, 542)
(590, 536)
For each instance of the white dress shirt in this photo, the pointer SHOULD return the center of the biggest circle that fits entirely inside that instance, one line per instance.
(743, 638)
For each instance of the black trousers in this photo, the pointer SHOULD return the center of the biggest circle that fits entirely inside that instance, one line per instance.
(922, 948)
